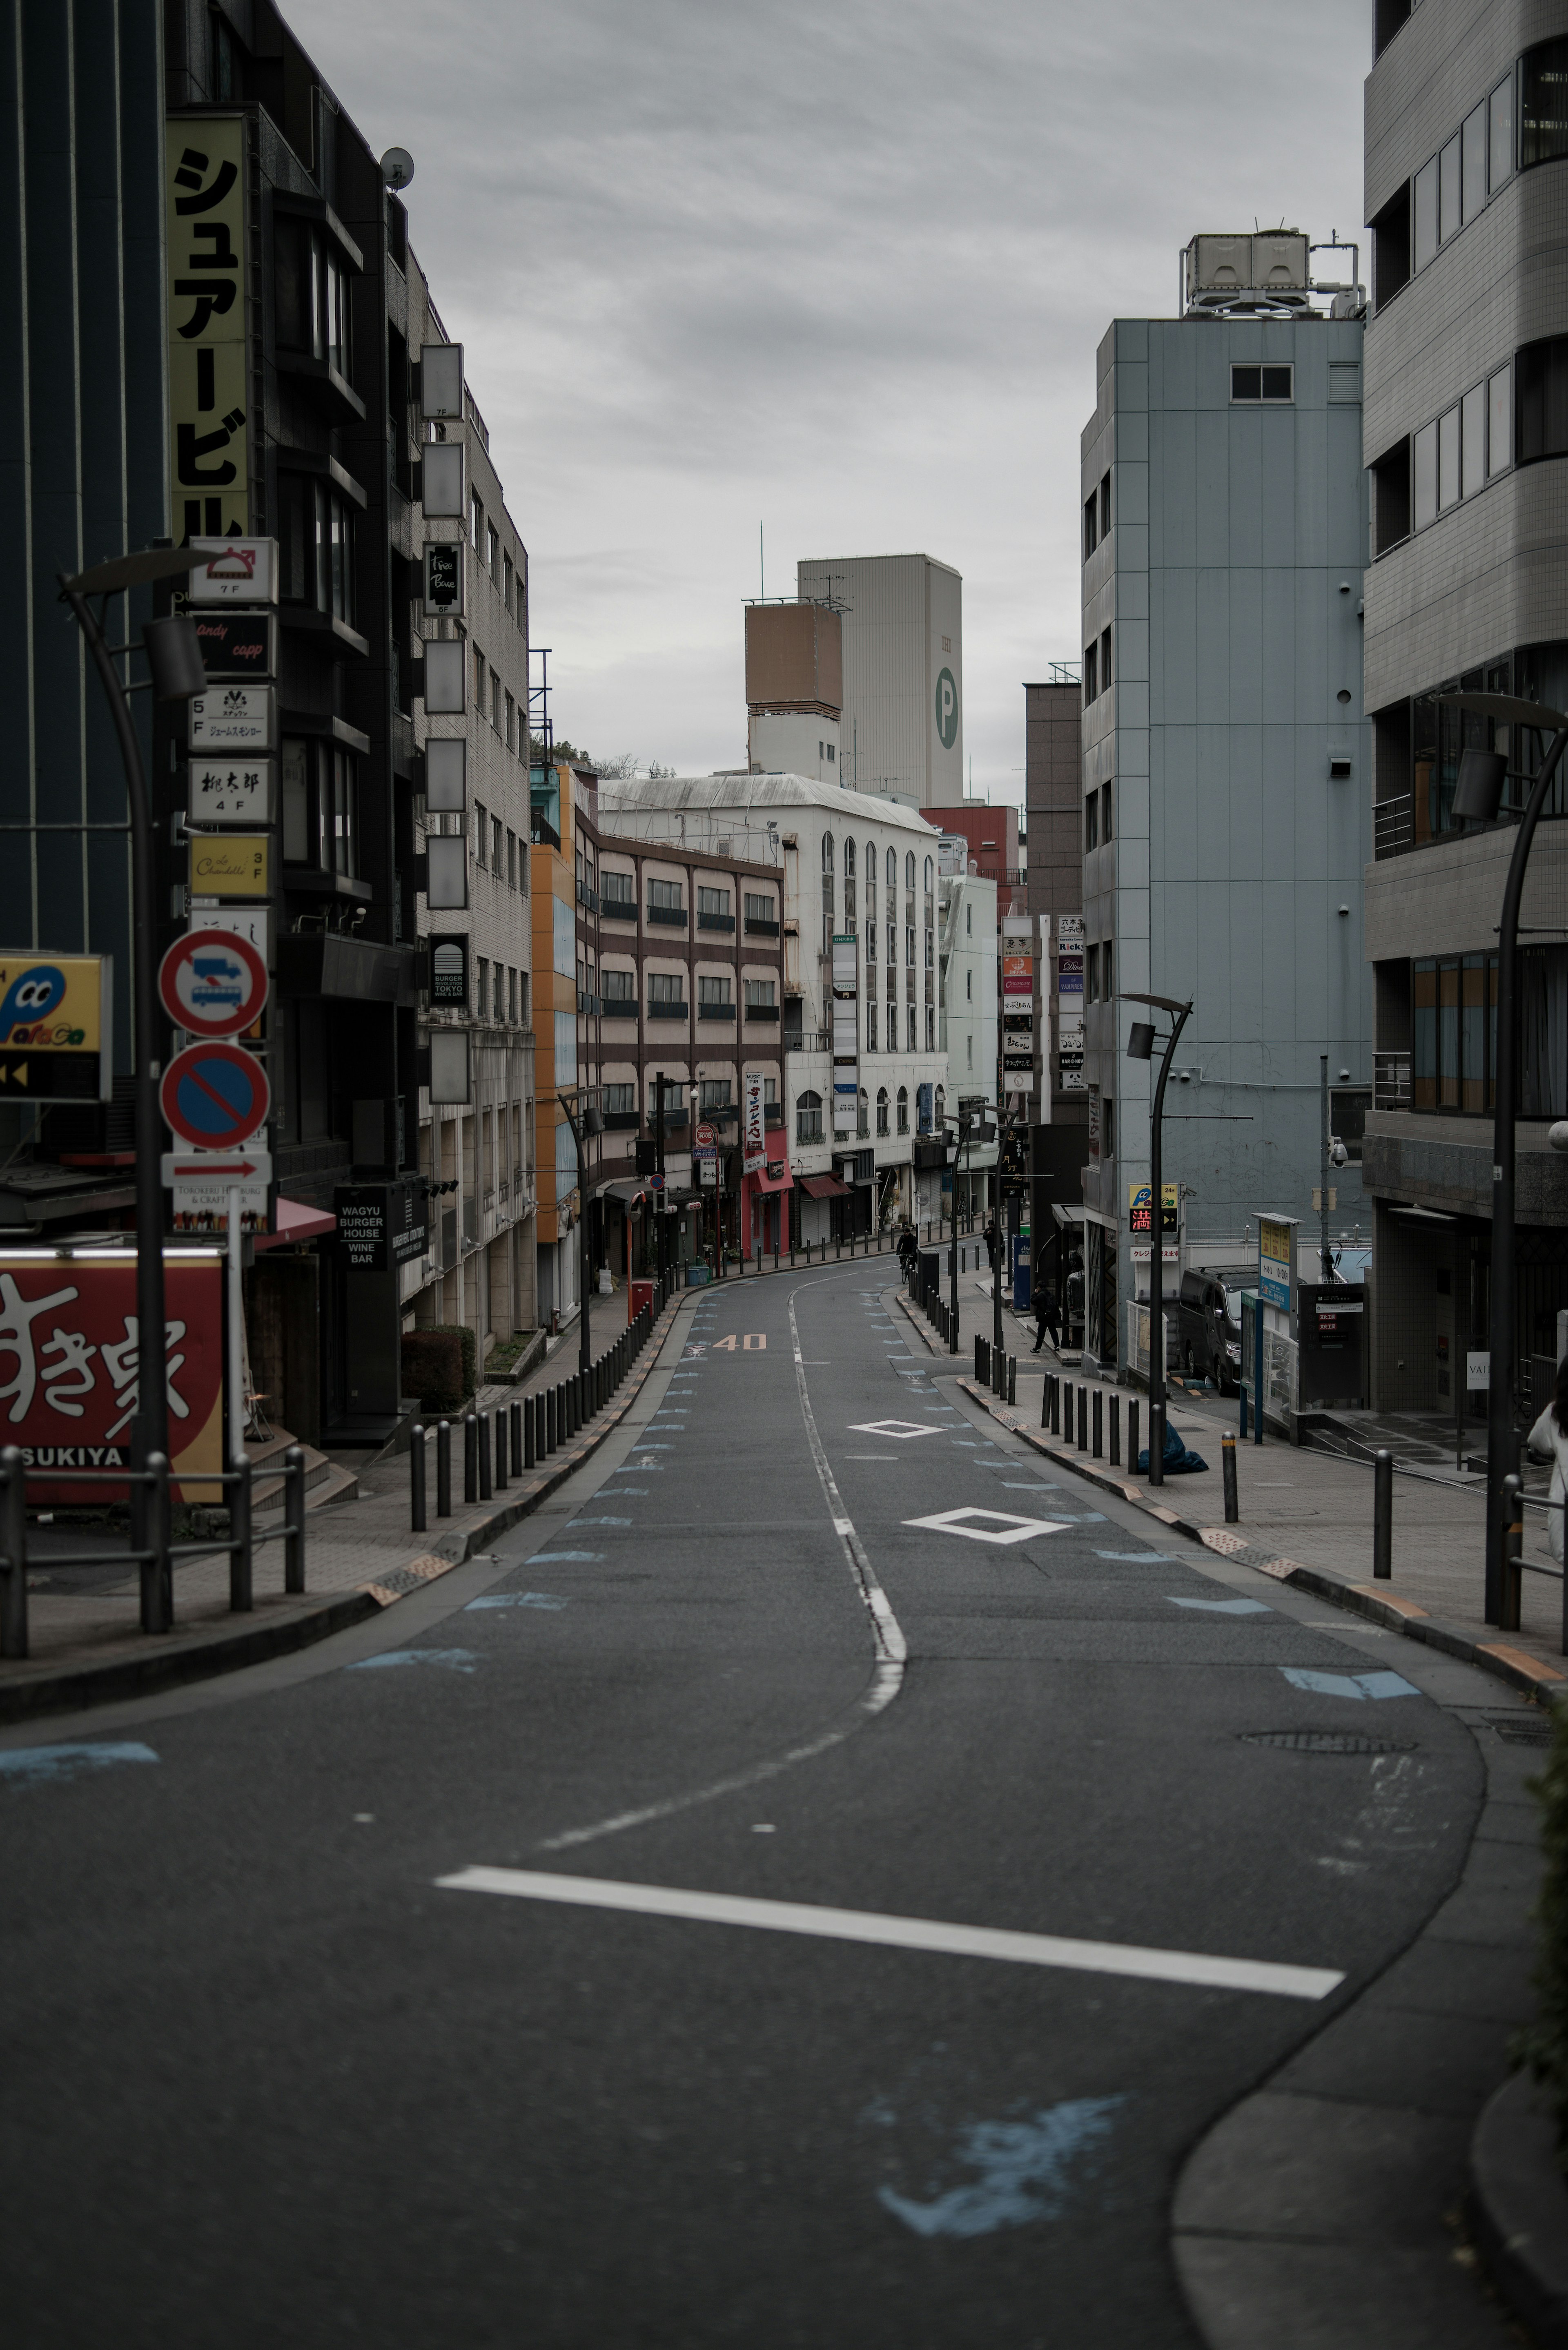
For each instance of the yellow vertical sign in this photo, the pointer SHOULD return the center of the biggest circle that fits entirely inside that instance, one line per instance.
(209, 399)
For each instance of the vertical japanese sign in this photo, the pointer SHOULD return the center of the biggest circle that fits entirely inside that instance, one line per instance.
(1276, 1261)
(846, 1032)
(209, 406)
(70, 1370)
(753, 1123)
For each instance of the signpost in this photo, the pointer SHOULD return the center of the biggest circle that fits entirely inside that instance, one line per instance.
(229, 791)
(238, 718)
(212, 982)
(215, 1096)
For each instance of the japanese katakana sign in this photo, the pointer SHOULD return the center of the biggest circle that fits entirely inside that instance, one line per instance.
(70, 1369)
(209, 394)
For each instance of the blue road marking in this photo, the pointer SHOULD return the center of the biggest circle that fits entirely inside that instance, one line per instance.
(456, 1660)
(1024, 2169)
(1223, 1606)
(30, 1767)
(1355, 1685)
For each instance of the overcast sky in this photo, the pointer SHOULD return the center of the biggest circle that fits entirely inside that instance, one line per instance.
(839, 268)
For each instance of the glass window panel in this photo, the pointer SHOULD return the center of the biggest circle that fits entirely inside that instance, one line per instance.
(1245, 382)
(1426, 213)
(1472, 1039)
(1447, 1035)
(1424, 1039)
(1499, 160)
(1425, 476)
(1474, 137)
(1448, 212)
(1472, 439)
(1500, 421)
(1448, 459)
(1276, 386)
(1543, 102)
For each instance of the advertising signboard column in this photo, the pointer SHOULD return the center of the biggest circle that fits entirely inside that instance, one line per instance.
(846, 1033)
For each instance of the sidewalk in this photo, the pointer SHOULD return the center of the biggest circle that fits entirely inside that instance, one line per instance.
(1303, 1507)
(360, 1557)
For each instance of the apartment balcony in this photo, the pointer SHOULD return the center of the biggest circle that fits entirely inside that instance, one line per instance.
(765, 1012)
(668, 1011)
(715, 921)
(614, 907)
(618, 1007)
(717, 1011)
(758, 929)
(674, 917)
(1391, 1081)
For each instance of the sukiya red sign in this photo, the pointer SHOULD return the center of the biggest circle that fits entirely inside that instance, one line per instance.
(70, 1371)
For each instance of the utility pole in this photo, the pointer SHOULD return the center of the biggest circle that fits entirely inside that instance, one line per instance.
(1323, 1169)
(1140, 1047)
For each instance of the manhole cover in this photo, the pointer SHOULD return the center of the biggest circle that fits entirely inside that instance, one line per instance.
(1326, 1741)
(1521, 1729)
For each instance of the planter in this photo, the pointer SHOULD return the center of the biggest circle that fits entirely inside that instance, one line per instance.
(1519, 2202)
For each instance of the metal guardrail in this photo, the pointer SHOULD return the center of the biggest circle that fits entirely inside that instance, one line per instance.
(1391, 1081)
(1394, 825)
(156, 1555)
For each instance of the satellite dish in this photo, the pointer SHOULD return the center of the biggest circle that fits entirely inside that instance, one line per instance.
(397, 167)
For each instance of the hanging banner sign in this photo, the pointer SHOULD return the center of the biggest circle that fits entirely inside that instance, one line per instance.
(70, 1369)
(208, 380)
(754, 1122)
(229, 866)
(236, 718)
(240, 645)
(846, 1032)
(1017, 975)
(55, 1027)
(213, 983)
(444, 578)
(238, 571)
(1070, 974)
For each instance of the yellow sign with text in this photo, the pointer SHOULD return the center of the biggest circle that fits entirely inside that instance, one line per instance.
(56, 1027)
(234, 865)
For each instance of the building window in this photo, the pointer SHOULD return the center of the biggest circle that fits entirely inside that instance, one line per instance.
(1092, 975)
(1543, 103)
(913, 1046)
(862, 1117)
(762, 991)
(714, 1093)
(1091, 673)
(968, 1041)
(1272, 383)
(481, 832)
(665, 894)
(1499, 159)
(475, 520)
(493, 551)
(512, 995)
(496, 831)
(1453, 1037)
(968, 987)
(1542, 399)
(617, 896)
(1107, 830)
(1091, 822)
(713, 901)
(479, 677)
(494, 701)
(666, 987)
(904, 1105)
(1105, 505)
(881, 1110)
(618, 987)
(930, 1028)
(870, 1027)
(809, 1118)
(511, 723)
(759, 909)
(1091, 524)
(507, 581)
(619, 1100)
(1105, 661)
(511, 858)
(483, 998)
(909, 945)
(715, 992)
(909, 871)
(1107, 977)
(892, 870)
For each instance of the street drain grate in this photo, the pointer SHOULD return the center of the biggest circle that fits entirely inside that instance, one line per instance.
(1326, 1742)
(1521, 1729)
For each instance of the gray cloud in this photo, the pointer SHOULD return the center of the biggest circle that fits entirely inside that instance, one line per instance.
(841, 268)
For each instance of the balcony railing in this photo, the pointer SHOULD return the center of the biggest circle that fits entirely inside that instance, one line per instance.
(614, 906)
(1394, 825)
(762, 1011)
(587, 897)
(618, 1007)
(724, 1011)
(715, 921)
(666, 1010)
(1391, 1081)
(674, 917)
(542, 832)
(758, 929)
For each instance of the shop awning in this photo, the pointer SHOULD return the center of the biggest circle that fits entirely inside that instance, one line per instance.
(296, 1223)
(776, 1178)
(628, 1189)
(825, 1187)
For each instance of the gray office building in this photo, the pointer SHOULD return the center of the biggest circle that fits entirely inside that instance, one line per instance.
(1466, 439)
(1226, 786)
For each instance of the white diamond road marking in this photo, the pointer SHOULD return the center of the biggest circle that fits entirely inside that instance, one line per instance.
(1195, 1968)
(1005, 1528)
(900, 1428)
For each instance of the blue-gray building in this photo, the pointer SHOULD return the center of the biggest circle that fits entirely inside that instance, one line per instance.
(1226, 774)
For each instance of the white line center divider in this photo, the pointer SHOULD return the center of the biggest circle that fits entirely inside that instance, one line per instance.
(1189, 1966)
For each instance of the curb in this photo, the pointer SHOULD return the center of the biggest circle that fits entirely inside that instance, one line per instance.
(205, 1654)
(1515, 1666)
(1518, 2203)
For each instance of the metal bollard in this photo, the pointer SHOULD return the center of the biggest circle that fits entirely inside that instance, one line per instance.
(515, 1413)
(978, 1358)
(523, 1436)
(501, 1448)
(550, 1432)
(14, 1543)
(470, 1457)
(1228, 1472)
(1133, 1446)
(1157, 1444)
(1115, 1455)
(292, 1520)
(540, 1412)
(1098, 1445)
(1045, 1406)
(417, 1479)
(482, 1441)
(1383, 1514)
(158, 1538)
(241, 1555)
(1512, 1551)
(1083, 1420)
(1013, 1379)
(443, 1469)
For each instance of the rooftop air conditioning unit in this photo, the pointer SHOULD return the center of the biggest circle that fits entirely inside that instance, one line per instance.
(1269, 270)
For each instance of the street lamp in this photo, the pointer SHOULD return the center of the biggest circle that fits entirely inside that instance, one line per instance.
(1478, 799)
(1140, 1047)
(592, 1123)
(174, 657)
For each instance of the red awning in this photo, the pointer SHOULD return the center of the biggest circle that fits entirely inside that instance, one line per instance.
(296, 1222)
(824, 1187)
(776, 1178)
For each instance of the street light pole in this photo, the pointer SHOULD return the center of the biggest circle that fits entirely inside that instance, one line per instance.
(591, 1122)
(1478, 796)
(1140, 1047)
(175, 657)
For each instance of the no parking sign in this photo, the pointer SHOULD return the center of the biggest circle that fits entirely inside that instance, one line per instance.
(215, 1096)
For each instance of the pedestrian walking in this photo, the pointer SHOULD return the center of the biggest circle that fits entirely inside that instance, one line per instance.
(1548, 1440)
(908, 1249)
(1045, 1324)
(990, 1241)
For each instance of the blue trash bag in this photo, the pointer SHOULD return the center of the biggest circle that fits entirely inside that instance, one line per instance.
(1178, 1460)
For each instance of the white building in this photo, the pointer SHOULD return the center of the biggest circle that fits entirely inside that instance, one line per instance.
(968, 1029)
(901, 734)
(865, 1074)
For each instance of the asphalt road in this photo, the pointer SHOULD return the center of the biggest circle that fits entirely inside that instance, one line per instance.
(268, 2079)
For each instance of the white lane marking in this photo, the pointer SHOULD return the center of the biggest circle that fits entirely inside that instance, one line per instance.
(887, 1676)
(902, 1430)
(1146, 1965)
(1006, 1529)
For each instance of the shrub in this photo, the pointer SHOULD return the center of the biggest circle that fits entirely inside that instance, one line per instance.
(1544, 2046)
(439, 1367)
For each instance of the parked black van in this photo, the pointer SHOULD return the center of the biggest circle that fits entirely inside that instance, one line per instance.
(1208, 1323)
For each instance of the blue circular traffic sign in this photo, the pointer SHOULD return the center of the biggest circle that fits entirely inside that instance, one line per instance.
(215, 1096)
